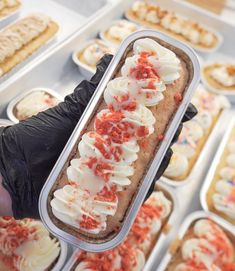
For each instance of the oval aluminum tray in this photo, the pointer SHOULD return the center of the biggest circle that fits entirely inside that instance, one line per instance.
(185, 226)
(102, 245)
(17, 99)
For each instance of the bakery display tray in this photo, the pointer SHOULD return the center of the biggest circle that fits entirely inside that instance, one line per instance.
(69, 15)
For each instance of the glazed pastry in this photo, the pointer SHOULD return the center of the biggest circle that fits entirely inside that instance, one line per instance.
(92, 195)
(26, 245)
(153, 16)
(205, 247)
(221, 193)
(194, 134)
(93, 52)
(132, 253)
(118, 31)
(19, 40)
(219, 76)
(8, 6)
(33, 103)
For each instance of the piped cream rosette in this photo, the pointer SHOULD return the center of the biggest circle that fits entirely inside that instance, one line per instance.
(107, 154)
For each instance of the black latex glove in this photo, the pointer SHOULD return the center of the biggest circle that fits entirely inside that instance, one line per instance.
(29, 150)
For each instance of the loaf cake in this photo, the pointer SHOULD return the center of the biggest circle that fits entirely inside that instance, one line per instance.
(97, 185)
(93, 52)
(206, 246)
(220, 196)
(25, 245)
(135, 249)
(195, 134)
(33, 103)
(220, 76)
(22, 38)
(182, 28)
(118, 31)
(8, 6)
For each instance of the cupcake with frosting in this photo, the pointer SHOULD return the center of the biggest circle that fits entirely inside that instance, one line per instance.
(26, 245)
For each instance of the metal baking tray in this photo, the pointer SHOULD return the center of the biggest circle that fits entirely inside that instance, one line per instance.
(62, 257)
(69, 15)
(184, 227)
(202, 160)
(160, 241)
(154, 165)
(210, 175)
(16, 100)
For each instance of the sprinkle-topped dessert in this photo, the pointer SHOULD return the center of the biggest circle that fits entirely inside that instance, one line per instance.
(205, 247)
(220, 76)
(153, 16)
(19, 40)
(133, 252)
(33, 103)
(118, 31)
(221, 193)
(8, 6)
(92, 53)
(195, 133)
(26, 245)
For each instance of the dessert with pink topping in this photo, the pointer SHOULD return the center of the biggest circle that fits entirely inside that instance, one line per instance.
(93, 192)
(25, 245)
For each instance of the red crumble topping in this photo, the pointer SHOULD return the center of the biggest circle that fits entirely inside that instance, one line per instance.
(178, 98)
(88, 223)
(107, 195)
(160, 137)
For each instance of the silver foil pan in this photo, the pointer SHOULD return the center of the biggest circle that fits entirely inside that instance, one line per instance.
(200, 161)
(16, 100)
(153, 166)
(160, 241)
(184, 228)
(211, 172)
(62, 257)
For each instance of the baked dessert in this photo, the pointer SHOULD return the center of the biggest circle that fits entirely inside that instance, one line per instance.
(182, 28)
(8, 6)
(97, 185)
(118, 31)
(133, 252)
(33, 103)
(92, 53)
(195, 134)
(26, 245)
(220, 76)
(206, 246)
(22, 38)
(220, 196)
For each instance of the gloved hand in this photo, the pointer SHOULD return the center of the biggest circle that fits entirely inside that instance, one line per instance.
(29, 149)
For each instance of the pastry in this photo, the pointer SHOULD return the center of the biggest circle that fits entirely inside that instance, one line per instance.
(33, 103)
(195, 134)
(118, 31)
(22, 38)
(220, 76)
(8, 6)
(133, 252)
(184, 29)
(205, 247)
(220, 196)
(26, 245)
(92, 53)
(93, 192)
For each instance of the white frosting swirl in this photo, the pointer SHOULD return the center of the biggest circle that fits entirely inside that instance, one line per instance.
(178, 166)
(222, 76)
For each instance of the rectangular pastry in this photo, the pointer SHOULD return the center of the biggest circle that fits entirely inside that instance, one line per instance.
(220, 196)
(99, 181)
(181, 28)
(133, 253)
(22, 38)
(195, 134)
(8, 6)
(206, 246)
